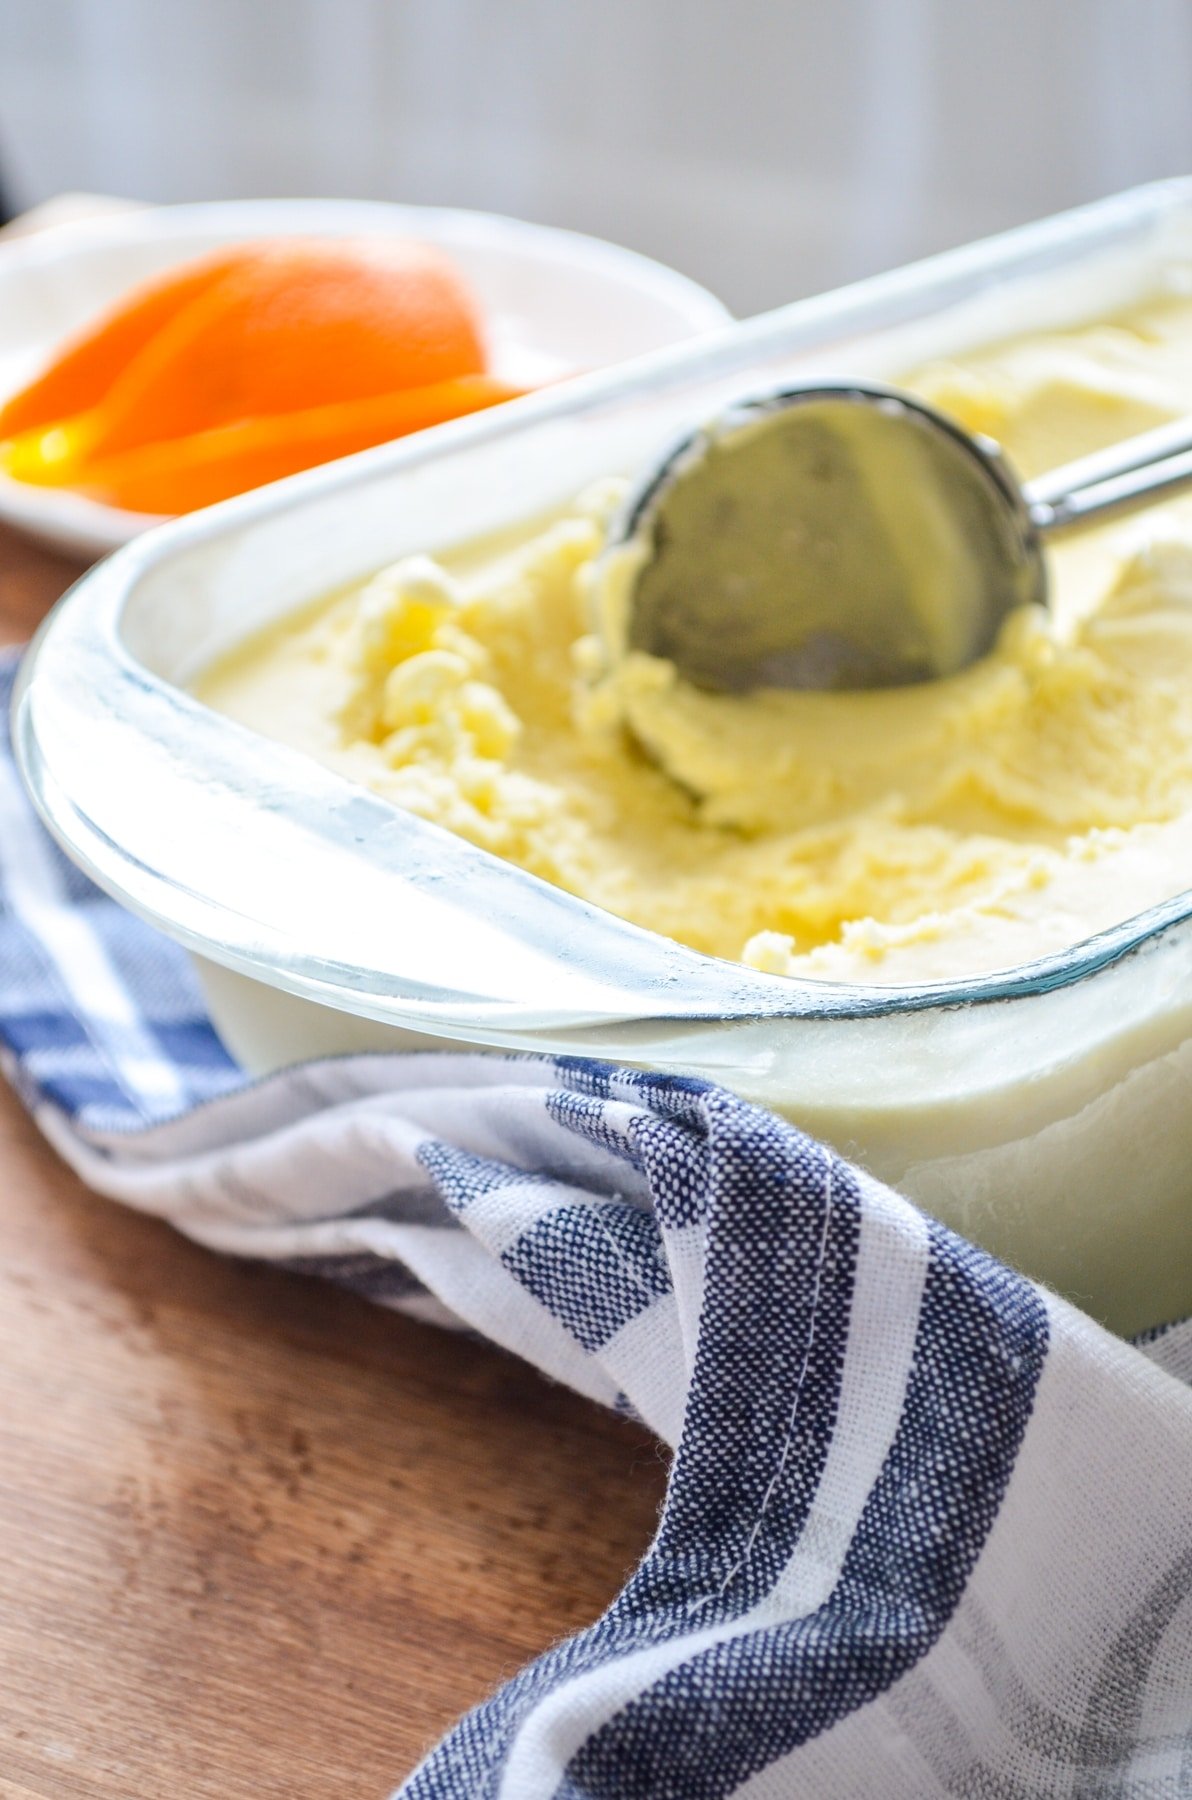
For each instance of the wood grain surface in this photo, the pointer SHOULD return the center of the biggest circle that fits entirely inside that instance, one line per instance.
(257, 1537)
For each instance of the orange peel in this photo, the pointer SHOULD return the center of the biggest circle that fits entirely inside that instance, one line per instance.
(251, 365)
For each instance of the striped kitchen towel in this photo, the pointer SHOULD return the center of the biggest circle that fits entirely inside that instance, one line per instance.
(928, 1529)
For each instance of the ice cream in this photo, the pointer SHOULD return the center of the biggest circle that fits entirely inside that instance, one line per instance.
(892, 837)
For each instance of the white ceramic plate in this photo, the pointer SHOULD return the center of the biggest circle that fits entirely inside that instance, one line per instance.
(556, 302)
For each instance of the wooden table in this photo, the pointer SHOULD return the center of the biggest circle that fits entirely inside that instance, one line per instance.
(258, 1537)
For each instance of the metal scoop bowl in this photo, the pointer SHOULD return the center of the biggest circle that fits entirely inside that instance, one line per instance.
(842, 535)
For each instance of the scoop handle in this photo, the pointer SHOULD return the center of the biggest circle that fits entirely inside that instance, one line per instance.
(1129, 474)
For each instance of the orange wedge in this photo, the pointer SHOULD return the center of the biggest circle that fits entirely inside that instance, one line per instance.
(249, 365)
(299, 325)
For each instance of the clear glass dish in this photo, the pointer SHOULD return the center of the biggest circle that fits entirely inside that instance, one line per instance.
(1042, 1111)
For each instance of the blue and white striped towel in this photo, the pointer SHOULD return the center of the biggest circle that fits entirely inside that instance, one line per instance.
(928, 1530)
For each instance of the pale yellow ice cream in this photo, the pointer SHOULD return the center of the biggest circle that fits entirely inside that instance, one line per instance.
(911, 835)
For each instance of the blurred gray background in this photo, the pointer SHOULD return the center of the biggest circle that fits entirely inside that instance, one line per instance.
(767, 147)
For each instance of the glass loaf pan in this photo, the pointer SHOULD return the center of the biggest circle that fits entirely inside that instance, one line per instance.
(1043, 1112)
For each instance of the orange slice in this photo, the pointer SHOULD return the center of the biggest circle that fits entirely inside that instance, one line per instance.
(300, 324)
(249, 365)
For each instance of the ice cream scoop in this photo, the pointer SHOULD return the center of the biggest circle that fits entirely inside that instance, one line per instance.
(841, 535)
